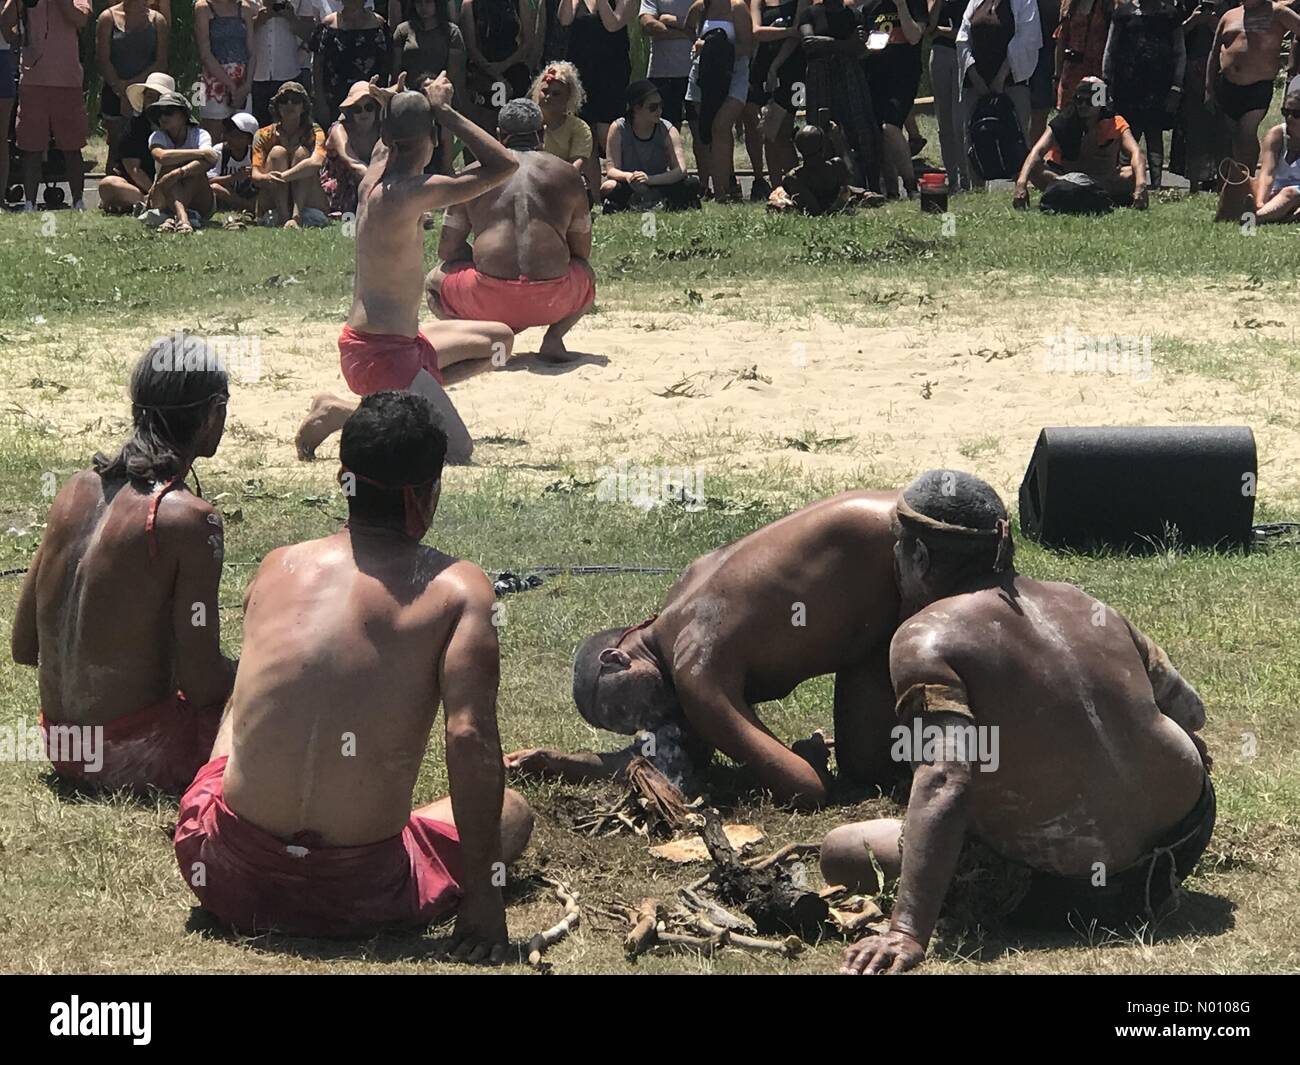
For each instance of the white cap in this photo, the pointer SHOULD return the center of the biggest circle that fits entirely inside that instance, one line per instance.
(244, 122)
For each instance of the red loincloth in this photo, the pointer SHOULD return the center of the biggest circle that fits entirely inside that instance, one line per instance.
(472, 296)
(380, 362)
(253, 881)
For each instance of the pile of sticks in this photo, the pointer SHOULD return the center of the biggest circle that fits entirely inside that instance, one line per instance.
(651, 806)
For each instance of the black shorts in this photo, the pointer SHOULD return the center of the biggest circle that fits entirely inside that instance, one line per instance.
(1237, 100)
(1130, 896)
(894, 75)
(673, 93)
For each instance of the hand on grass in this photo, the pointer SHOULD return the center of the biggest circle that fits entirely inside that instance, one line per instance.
(480, 933)
(892, 952)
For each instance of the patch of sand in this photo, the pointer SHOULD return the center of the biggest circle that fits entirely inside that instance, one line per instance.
(960, 382)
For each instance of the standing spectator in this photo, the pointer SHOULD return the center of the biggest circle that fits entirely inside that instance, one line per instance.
(1144, 65)
(837, 87)
(125, 189)
(551, 39)
(647, 164)
(130, 44)
(351, 45)
(287, 157)
(997, 51)
(51, 104)
(498, 38)
(719, 85)
(428, 43)
(1080, 44)
(1201, 136)
(893, 63)
(280, 30)
(1042, 85)
(348, 147)
(8, 85)
(777, 68)
(945, 21)
(223, 30)
(663, 24)
(182, 153)
(1244, 63)
(231, 176)
(598, 47)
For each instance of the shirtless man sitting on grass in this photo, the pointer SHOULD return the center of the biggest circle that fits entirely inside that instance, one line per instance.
(118, 610)
(381, 346)
(532, 239)
(1089, 799)
(810, 594)
(302, 821)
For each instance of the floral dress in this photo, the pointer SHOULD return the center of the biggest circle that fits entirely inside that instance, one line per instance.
(346, 56)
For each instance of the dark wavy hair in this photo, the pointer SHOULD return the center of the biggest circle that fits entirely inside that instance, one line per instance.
(173, 387)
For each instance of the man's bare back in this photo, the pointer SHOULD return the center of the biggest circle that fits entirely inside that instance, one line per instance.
(99, 659)
(522, 228)
(338, 687)
(1089, 768)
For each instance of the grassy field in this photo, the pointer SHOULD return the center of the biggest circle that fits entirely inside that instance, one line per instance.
(91, 885)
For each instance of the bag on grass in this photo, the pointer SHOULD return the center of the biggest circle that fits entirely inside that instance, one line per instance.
(997, 146)
(1075, 194)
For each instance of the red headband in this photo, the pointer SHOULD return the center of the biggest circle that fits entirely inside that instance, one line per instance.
(417, 519)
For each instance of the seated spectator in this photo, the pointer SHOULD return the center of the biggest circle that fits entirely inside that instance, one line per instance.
(51, 105)
(351, 45)
(223, 30)
(558, 92)
(1089, 139)
(232, 176)
(1277, 186)
(130, 44)
(646, 164)
(821, 183)
(182, 153)
(125, 189)
(348, 146)
(287, 157)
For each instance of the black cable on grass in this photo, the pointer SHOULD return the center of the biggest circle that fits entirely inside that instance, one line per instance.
(508, 581)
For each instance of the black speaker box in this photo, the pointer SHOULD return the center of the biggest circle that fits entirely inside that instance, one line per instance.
(1132, 487)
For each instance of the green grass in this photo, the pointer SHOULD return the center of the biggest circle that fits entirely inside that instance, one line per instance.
(1229, 622)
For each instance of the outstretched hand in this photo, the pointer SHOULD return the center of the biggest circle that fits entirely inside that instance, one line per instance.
(384, 94)
(892, 952)
(439, 91)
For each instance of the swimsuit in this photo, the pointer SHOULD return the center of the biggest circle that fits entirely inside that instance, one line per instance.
(468, 294)
(253, 881)
(1236, 100)
(383, 362)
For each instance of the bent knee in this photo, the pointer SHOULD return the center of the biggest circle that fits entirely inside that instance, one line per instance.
(516, 824)
(277, 158)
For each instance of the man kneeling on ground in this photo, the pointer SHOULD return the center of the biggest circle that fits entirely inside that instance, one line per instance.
(1058, 778)
(302, 821)
(810, 594)
(119, 607)
(532, 239)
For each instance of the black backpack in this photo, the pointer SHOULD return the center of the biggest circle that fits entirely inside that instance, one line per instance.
(997, 146)
(1075, 194)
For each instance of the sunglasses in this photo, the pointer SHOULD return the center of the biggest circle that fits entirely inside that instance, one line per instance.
(165, 111)
(1291, 114)
(658, 105)
(364, 109)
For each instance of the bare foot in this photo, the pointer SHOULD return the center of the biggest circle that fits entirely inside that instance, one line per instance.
(292, 224)
(327, 415)
(552, 349)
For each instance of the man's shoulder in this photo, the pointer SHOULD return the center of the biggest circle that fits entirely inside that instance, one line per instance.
(185, 513)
